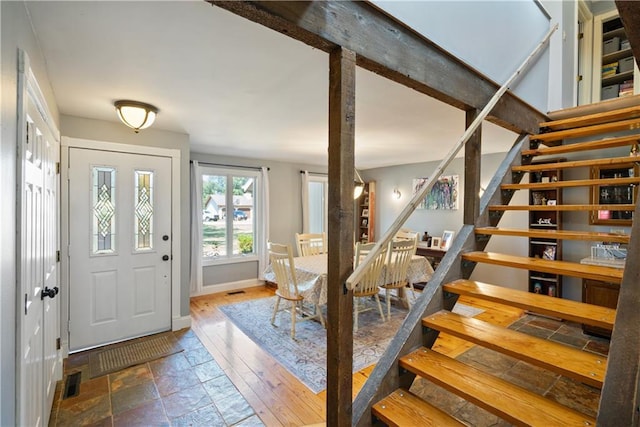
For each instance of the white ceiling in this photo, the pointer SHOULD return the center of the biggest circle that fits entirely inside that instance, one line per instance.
(235, 87)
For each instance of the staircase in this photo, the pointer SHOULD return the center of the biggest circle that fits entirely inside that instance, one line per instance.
(496, 395)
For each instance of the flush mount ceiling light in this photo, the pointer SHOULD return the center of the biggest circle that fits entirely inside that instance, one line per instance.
(136, 115)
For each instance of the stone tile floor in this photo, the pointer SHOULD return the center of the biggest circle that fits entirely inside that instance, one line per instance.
(565, 391)
(189, 388)
(185, 389)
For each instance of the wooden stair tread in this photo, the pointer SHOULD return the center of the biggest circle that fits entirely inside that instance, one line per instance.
(571, 183)
(593, 119)
(582, 366)
(610, 161)
(582, 146)
(555, 234)
(559, 135)
(564, 208)
(510, 402)
(403, 408)
(579, 312)
(566, 268)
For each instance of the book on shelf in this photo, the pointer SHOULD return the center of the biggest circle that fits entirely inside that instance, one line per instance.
(609, 70)
(626, 88)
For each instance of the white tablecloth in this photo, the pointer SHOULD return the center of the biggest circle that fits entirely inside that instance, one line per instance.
(311, 273)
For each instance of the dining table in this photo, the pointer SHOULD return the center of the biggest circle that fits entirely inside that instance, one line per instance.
(311, 275)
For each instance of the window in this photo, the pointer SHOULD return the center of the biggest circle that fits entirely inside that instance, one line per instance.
(318, 203)
(104, 210)
(228, 213)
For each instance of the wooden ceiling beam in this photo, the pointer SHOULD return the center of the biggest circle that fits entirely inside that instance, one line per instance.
(391, 49)
(630, 15)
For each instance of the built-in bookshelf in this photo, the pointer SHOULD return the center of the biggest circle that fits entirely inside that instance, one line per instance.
(613, 194)
(551, 219)
(366, 207)
(617, 73)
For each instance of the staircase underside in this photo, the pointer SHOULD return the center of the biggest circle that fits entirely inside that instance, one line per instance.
(488, 391)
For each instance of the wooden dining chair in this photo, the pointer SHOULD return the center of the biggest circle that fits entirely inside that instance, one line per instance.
(368, 285)
(284, 269)
(311, 243)
(399, 257)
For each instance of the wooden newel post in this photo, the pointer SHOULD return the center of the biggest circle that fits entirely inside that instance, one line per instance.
(342, 71)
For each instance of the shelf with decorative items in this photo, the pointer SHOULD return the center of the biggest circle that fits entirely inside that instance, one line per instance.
(616, 188)
(551, 219)
(365, 209)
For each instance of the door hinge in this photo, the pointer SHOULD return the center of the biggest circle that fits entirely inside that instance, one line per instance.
(580, 36)
(578, 78)
(57, 256)
(58, 344)
(57, 168)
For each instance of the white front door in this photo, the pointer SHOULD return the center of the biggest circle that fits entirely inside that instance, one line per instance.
(119, 246)
(39, 357)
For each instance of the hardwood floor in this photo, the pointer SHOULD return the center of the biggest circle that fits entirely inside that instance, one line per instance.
(277, 396)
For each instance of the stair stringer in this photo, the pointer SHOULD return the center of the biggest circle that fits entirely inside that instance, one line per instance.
(620, 397)
(386, 376)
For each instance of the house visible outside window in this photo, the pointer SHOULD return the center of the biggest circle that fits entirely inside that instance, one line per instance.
(318, 203)
(229, 222)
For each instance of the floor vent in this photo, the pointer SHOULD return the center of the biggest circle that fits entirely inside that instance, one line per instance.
(72, 385)
(235, 292)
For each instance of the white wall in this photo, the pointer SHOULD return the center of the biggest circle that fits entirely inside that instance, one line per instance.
(16, 33)
(503, 35)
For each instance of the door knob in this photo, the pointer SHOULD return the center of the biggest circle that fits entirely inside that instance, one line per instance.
(46, 292)
(165, 257)
(165, 237)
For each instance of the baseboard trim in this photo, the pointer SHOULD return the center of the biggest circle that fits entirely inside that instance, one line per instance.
(178, 323)
(230, 286)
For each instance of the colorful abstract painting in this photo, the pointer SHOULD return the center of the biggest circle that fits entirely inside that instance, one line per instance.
(443, 195)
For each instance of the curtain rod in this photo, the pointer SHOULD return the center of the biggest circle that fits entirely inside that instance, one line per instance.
(229, 166)
(313, 173)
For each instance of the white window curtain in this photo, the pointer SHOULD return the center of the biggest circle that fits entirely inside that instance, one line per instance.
(305, 201)
(196, 229)
(263, 227)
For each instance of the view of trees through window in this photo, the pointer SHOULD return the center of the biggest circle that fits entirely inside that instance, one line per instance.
(228, 209)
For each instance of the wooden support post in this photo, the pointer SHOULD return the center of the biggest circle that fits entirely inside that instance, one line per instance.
(342, 73)
(472, 167)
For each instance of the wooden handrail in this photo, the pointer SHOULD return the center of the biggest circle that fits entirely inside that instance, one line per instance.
(357, 274)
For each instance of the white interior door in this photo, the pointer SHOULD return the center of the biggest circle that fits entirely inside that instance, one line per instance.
(40, 360)
(51, 238)
(119, 246)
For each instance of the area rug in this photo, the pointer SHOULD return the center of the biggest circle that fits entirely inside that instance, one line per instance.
(130, 353)
(305, 357)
